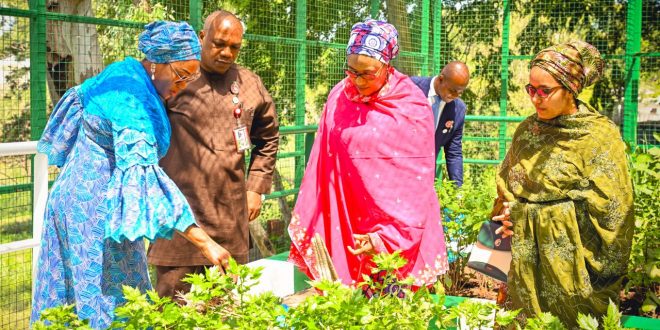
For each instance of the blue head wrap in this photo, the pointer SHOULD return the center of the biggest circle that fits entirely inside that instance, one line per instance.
(165, 42)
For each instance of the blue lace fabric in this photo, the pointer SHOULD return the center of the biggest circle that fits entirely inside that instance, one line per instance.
(106, 136)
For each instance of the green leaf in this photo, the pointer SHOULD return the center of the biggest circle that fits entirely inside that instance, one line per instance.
(504, 317)
(612, 321)
(447, 281)
(653, 272)
(544, 321)
(649, 304)
(587, 322)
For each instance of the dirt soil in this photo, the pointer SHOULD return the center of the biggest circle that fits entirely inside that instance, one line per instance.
(482, 286)
(631, 303)
(298, 297)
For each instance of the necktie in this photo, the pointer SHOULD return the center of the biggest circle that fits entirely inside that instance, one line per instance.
(437, 106)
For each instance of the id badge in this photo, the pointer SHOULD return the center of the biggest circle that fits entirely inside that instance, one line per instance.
(242, 139)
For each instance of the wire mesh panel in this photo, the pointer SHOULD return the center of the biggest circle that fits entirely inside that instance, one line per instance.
(15, 225)
(14, 80)
(407, 16)
(123, 11)
(15, 198)
(324, 70)
(15, 171)
(331, 21)
(15, 289)
(298, 49)
(16, 4)
(537, 25)
(472, 33)
(648, 115)
(267, 18)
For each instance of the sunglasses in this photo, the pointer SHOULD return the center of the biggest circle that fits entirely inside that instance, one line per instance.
(185, 79)
(543, 93)
(366, 76)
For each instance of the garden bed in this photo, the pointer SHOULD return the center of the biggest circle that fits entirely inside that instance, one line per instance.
(250, 296)
(285, 275)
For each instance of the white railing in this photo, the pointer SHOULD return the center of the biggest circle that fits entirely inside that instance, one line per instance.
(40, 194)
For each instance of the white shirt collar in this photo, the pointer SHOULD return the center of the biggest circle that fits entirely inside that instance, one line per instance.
(432, 93)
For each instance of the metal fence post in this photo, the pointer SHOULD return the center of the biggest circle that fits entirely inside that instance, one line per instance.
(632, 65)
(504, 77)
(37, 68)
(309, 143)
(196, 14)
(435, 61)
(437, 36)
(374, 8)
(425, 36)
(301, 73)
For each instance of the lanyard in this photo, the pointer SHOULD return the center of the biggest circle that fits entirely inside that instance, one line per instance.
(234, 89)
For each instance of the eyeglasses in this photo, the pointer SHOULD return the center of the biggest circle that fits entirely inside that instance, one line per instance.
(543, 93)
(366, 76)
(181, 78)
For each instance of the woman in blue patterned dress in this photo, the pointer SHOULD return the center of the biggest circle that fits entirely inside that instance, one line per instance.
(107, 136)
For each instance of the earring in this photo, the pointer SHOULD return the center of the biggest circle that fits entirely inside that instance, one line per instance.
(153, 71)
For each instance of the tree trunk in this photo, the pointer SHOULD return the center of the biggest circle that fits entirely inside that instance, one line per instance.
(397, 16)
(258, 233)
(260, 238)
(284, 207)
(73, 53)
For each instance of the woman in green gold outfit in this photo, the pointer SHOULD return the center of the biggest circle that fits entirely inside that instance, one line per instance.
(567, 194)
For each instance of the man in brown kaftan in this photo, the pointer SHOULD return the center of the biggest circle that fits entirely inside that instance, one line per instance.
(204, 158)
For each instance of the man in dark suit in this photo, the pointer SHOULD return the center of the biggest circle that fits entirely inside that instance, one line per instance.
(448, 112)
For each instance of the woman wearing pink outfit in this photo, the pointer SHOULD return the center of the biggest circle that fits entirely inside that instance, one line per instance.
(368, 186)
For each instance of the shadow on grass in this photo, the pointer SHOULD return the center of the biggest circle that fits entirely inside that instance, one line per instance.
(21, 227)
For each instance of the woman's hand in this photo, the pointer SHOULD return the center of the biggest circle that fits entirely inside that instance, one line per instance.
(209, 248)
(504, 217)
(216, 254)
(362, 245)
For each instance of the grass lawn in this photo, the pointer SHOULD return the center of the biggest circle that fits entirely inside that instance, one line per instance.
(15, 225)
(15, 276)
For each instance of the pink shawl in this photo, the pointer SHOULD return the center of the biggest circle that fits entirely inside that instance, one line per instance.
(371, 170)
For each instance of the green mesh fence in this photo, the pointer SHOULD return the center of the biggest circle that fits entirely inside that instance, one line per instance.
(297, 47)
(648, 114)
(15, 171)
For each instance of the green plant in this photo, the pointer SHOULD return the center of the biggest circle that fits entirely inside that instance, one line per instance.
(215, 301)
(544, 321)
(342, 307)
(611, 321)
(644, 264)
(478, 315)
(222, 301)
(60, 318)
(464, 210)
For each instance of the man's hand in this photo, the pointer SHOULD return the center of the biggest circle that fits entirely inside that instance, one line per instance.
(253, 204)
(362, 245)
